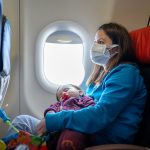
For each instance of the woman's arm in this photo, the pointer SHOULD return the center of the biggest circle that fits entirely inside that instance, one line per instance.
(119, 90)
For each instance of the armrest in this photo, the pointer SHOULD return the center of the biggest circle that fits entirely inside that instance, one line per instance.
(117, 147)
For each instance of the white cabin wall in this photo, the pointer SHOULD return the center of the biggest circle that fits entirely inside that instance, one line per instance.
(133, 14)
(25, 93)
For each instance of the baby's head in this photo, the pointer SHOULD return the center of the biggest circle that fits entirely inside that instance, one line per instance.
(69, 90)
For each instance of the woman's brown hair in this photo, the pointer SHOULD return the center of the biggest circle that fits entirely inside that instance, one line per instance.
(120, 36)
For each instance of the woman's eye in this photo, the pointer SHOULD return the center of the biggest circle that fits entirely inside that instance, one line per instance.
(101, 42)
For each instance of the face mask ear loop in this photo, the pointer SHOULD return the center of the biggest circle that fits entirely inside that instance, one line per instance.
(117, 50)
(106, 53)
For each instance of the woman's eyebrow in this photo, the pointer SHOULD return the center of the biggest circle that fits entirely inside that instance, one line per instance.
(100, 40)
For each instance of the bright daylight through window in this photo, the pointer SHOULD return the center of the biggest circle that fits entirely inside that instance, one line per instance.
(63, 63)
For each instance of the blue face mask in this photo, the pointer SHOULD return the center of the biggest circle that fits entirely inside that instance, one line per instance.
(100, 54)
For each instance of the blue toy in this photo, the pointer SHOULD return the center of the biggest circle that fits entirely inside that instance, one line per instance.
(6, 119)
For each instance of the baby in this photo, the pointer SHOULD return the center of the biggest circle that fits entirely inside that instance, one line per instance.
(69, 97)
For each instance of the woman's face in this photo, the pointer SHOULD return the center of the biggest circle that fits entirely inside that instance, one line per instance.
(102, 38)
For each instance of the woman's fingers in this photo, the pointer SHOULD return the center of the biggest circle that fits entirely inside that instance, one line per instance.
(41, 128)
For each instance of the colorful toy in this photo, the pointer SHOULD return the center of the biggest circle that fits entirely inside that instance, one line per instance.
(6, 119)
(20, 138)
(2, 145)
(24, 138)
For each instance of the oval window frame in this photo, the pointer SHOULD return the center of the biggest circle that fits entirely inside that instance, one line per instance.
(42, 37)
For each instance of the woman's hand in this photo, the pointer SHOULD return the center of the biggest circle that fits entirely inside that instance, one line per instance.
(41, 127)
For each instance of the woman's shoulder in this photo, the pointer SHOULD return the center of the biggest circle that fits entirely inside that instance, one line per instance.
(126, 67)
(123, 71)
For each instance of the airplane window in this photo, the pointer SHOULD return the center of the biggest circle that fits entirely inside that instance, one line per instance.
(61, 53)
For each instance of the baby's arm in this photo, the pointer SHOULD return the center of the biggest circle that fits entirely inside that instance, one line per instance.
(53, 108)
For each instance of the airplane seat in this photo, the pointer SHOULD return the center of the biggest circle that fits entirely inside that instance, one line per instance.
(5, 45)
(141, 41)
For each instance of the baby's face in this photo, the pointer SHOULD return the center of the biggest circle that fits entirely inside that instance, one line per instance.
(66, 92)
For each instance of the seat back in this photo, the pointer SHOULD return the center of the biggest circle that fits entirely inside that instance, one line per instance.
(5, 44)
(1, 12)
(141, 40)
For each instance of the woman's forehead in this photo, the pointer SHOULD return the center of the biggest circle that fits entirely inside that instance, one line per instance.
(102, 36)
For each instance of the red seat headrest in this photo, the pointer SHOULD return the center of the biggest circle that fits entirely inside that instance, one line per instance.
(141, 41)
